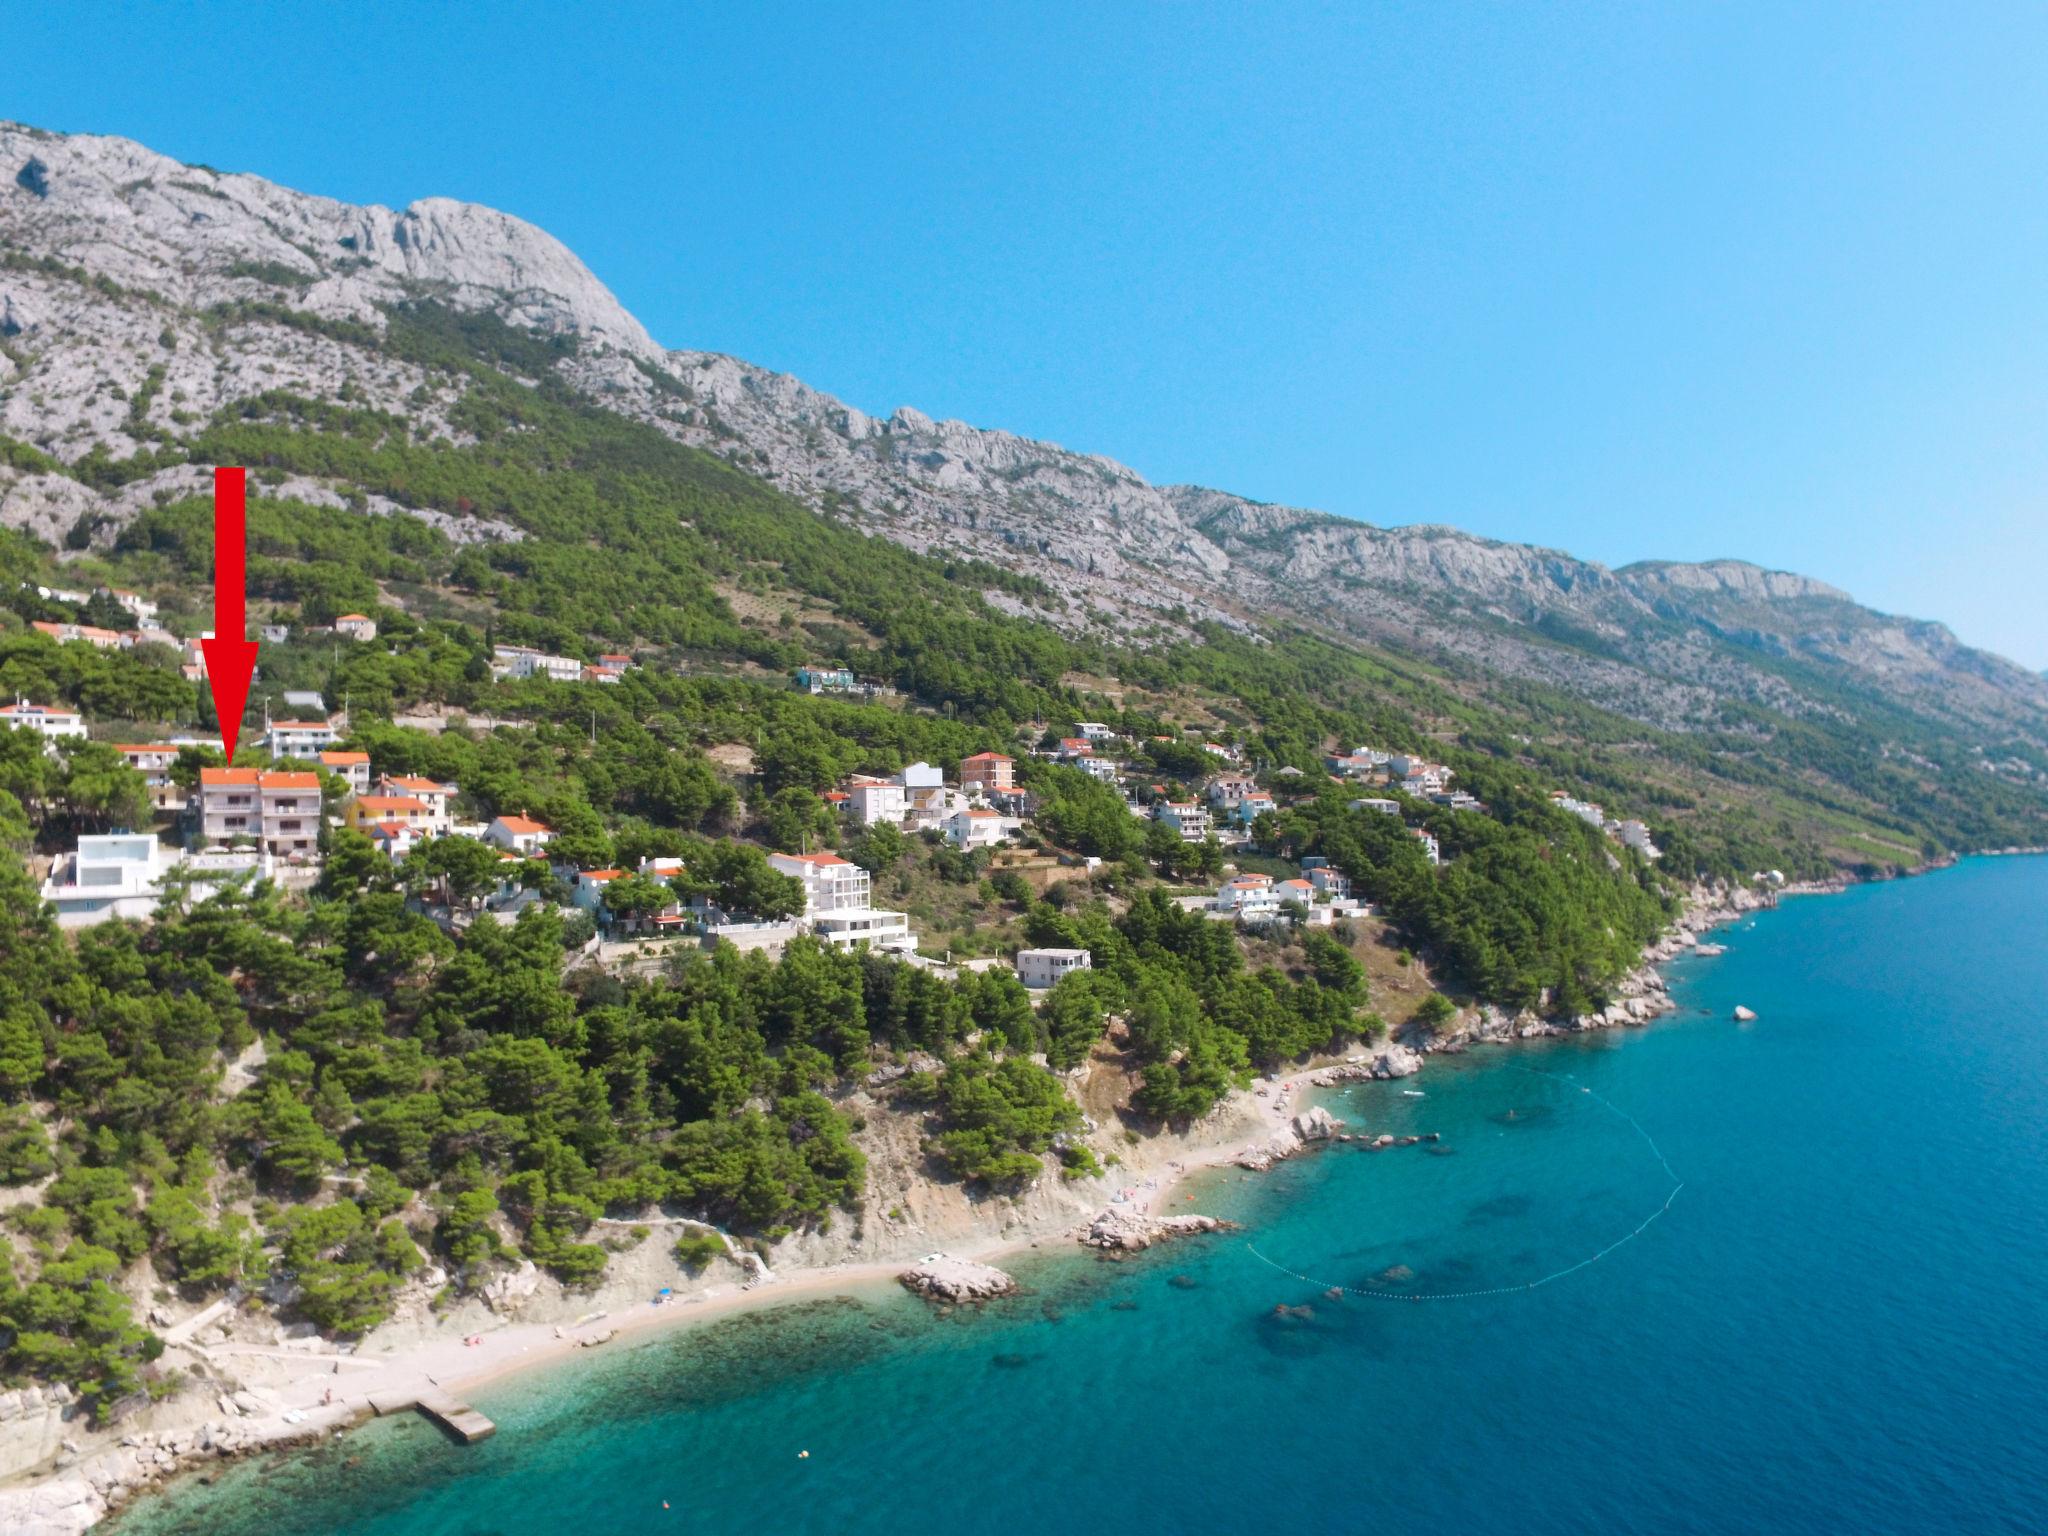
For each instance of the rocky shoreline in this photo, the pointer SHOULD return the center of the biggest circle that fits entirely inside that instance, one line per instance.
(87, 1485)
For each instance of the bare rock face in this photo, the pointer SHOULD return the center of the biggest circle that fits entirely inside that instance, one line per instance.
(1117, 1231)
(947, 1279)
(155, 295)
(508, 1292)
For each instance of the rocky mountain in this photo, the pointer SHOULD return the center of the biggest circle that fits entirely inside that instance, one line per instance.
(141, 297)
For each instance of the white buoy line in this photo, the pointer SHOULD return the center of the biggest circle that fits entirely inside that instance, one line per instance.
(1641, 1227)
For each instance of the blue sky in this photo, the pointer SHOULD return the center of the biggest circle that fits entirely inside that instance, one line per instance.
(1633, 281)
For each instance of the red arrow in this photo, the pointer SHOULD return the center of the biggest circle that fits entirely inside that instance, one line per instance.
(230, 653)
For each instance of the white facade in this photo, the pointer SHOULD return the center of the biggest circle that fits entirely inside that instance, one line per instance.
(352, 768)
(1329, 882)
(865, 925)
(1190, 818)
(970, 828)
(1384, 807)
(1429, 845)
(872, 801)
(46, 720)
(153, 761)
(356, 626)
(518, 834)
(1227, 790)
(280, 811)
(1094, 730)
(1097, 768)
(1637, 836)
(305, 739)
(122, 875)
(519, 661)
(1248, 896)
(831, 884)
(1041, 969)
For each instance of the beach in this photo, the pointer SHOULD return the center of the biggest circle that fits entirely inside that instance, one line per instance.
(302, 1389)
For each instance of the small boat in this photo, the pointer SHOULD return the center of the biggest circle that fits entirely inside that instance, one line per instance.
(1412, 1093)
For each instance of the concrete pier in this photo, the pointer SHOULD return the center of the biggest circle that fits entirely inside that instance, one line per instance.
(454, 1416)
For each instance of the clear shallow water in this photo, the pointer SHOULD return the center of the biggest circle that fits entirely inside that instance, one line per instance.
(1837, 1326)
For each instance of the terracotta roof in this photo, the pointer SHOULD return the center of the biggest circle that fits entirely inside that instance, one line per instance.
(989, 757)
(378, 804)
(820, 859)
(301, 725)
(331, 756)
(353, 618)
(227, 776)
(601, 874)
(35, 709)
(431, 786)
(290, 780)
(520, 825)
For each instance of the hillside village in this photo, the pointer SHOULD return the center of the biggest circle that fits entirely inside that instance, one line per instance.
(212, 824)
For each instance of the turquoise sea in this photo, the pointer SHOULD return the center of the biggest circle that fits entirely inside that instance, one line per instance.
(1838, 1325)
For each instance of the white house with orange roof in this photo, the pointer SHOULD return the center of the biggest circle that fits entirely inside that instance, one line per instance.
(393, 839)
(279, 811)
(356, 626)
(436, 796)
(518, 834)
(1248, 896)
(352, 768)
(972, 827)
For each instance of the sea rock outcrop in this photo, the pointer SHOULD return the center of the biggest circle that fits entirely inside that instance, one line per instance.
(1129, 1232)
(1744, 1015)
(1389, 1061)
(1317, 1124)
(945, 1278)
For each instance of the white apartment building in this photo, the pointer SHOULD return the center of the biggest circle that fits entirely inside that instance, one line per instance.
(1190, 818)
(1429, 845)
(837, 894)
(303, 739)
(279, 810)
(1248, 896)
(1329, 882)
(46, 720)
(153, 761)
(831, 884)
(871, 801)
(352, 768)
(1094, 730)
(123, 875)
(1041, 969)
(519, 661)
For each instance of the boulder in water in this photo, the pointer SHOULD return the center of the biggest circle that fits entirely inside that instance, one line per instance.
(1744, 1015)
(944, 1278)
